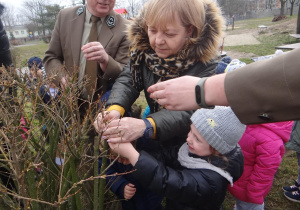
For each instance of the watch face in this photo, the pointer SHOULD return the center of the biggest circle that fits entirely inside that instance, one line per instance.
(198, 94)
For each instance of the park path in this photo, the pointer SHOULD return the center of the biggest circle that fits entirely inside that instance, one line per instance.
(240, 39)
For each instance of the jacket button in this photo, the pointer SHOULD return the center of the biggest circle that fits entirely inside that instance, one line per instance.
(265, 116)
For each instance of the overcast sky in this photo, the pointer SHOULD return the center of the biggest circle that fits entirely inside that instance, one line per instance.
(18, 3)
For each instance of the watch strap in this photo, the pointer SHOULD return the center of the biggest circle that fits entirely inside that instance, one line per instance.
(199, 94)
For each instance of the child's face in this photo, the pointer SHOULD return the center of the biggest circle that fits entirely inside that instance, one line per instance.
(33, 72)
(197, 144)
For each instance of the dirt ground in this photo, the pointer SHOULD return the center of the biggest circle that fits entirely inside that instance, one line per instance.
(248, 36)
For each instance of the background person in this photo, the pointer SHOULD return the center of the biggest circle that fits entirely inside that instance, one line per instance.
(72, 49)
(194, 175)
(263, 149)
(36, 70)
(70, 46)
(254, 96)
(5, 54)
(293, 192)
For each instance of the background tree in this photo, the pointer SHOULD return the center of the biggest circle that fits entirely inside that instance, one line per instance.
(134, 7)
(35, 11)
(78, 2)
(9, 18)
(20, 20)
(292, 2)
(233, 7)
(282, 3)
(298, 21)
(51, 14)
(269, 4)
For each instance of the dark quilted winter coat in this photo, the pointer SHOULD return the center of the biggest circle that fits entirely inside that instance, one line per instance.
(5, 55)
(187, 189)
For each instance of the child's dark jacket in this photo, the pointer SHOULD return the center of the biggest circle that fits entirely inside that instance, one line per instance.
(143, 199)
(187, 188)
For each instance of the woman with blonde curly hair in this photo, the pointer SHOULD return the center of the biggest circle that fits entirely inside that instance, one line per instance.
(169, 39)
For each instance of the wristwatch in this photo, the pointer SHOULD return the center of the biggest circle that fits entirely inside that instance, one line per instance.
(148, 133)
(199, 94)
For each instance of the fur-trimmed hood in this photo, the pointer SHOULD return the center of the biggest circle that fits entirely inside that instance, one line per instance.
(203, 48)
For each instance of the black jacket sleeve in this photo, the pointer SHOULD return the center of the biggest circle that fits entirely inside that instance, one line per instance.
(123, 93)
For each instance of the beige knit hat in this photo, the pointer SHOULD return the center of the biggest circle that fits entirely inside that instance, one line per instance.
(219, 127)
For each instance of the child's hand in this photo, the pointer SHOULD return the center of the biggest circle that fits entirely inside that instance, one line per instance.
(125, 150)
(123, 160)
(129, 191)
(122, 149)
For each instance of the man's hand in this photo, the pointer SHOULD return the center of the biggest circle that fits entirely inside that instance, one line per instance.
(94, 51)
(63, 83)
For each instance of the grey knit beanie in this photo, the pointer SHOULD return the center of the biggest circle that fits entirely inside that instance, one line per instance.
(220, 127)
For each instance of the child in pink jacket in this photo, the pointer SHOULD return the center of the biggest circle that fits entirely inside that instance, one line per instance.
(263, 149)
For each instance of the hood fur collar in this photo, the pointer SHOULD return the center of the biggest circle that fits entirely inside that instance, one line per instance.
(205, 48)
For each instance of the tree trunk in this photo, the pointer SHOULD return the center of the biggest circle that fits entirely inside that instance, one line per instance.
(282, 8)
(298, 21)
(292, 8)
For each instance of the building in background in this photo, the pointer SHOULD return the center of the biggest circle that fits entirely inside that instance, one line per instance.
(20, 32)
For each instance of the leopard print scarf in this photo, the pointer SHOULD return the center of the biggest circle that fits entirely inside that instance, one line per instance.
(167, 68)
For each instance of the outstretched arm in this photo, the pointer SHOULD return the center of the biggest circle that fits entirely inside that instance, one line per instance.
(179, 93)
(261, 92)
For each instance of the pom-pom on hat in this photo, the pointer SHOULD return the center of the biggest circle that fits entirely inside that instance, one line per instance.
(35, 61)
(219, 127)
(226, 59)
(221, 67)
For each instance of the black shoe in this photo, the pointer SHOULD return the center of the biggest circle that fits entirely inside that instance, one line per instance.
(292, 188)
(293, 196)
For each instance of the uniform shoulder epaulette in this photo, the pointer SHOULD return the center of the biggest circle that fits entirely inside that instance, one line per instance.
(80, 10)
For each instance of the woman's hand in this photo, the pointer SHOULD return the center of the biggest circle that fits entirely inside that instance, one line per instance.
(123, 130)
(102, 120)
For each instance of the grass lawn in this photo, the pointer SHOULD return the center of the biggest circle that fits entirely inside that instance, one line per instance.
(288, 169)
(277, 34)
(21, 54)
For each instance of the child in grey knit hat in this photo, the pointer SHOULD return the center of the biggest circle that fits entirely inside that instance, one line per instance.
(219, 127)
(196, 175)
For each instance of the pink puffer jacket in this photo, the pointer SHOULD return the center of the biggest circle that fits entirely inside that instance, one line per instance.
(263, 149)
